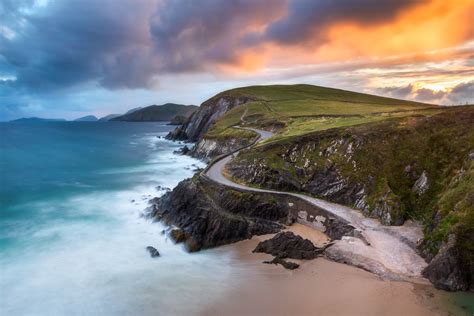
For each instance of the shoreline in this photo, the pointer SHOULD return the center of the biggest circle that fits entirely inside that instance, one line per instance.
(319, 287)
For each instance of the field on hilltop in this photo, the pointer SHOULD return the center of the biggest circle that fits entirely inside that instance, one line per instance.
(297, 109)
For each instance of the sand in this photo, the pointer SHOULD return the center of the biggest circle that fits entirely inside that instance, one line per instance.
(318, 287)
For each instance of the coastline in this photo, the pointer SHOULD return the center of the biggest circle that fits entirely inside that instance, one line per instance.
(320, 286)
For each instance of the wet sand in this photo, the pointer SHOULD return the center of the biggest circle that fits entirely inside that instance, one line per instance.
(318, 287)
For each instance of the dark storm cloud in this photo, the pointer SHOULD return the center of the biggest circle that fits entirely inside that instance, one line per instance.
(124, 44)
(190, 34)
(308, 19)
(73, 41)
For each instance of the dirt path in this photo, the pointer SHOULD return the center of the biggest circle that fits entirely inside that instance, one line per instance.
(391, 252)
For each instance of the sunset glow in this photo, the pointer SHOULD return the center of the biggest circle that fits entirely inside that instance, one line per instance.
(392, 48)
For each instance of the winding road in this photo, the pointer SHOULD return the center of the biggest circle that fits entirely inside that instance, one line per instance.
(391, 252)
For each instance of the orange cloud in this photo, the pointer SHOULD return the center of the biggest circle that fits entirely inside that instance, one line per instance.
(423, 28)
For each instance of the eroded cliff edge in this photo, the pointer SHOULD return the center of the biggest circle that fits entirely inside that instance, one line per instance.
(210, 214)
(413, 168)
(198, 124)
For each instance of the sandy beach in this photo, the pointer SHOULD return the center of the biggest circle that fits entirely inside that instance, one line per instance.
(319, 287)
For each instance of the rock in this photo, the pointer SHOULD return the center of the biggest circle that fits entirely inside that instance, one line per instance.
(286, 264)
(182, 151)
(178, 235)
(153, 251)
(446, 271)
(211, 215)
(421, 185)
(201, 120)
(289, 245)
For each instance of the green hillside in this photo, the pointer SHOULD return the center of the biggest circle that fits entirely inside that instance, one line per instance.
(156, 113)
(298, 109)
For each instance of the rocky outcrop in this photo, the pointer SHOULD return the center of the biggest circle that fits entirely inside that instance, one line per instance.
(207, 148)
(286, 264)
(447, 271)
(289, 245)
(153, 251)
(421, 185)
(210, 215)
(209, 112)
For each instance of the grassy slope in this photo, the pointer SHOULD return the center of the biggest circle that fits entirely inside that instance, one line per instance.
(436, 146)
(439, 145)
(298, 109)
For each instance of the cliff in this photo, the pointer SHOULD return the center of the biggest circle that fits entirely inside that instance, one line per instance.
(208, 214)
(411, 168)
(209, 112)
(392, 159)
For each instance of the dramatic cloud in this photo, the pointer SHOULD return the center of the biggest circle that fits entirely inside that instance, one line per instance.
(308, 20)
(62, 47)
(190, 35)
(70, 42)
(458, 95)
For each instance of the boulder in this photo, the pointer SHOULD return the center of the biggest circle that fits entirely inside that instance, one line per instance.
(286, 264)
(178, 235)
(289, 245)
(153, 251)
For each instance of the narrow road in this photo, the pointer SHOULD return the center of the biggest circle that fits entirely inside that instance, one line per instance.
(390, 253)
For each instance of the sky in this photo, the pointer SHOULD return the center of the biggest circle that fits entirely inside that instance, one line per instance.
(69, 58)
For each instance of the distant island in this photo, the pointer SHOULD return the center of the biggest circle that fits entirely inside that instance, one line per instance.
(175, 113)
(37, 119)
(108, 117)
(87, 118)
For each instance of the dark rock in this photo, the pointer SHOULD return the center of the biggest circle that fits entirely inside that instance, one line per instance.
(446, 270)
(182, 151)
(289, 245)
(210, 215)
(286, 264)
(153, 251)
(177, 235)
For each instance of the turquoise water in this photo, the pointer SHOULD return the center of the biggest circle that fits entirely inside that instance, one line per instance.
(72, 238)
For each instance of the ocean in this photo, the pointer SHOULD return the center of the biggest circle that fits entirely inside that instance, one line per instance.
(73, 238)
(72, 234)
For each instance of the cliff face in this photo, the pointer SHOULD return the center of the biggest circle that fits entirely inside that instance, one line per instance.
(209, 112)
(208, 148)
(209, 214)
(419, 168)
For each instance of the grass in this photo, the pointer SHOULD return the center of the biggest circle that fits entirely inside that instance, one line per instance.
(304, 125)
(297, 109)
(437, 143)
